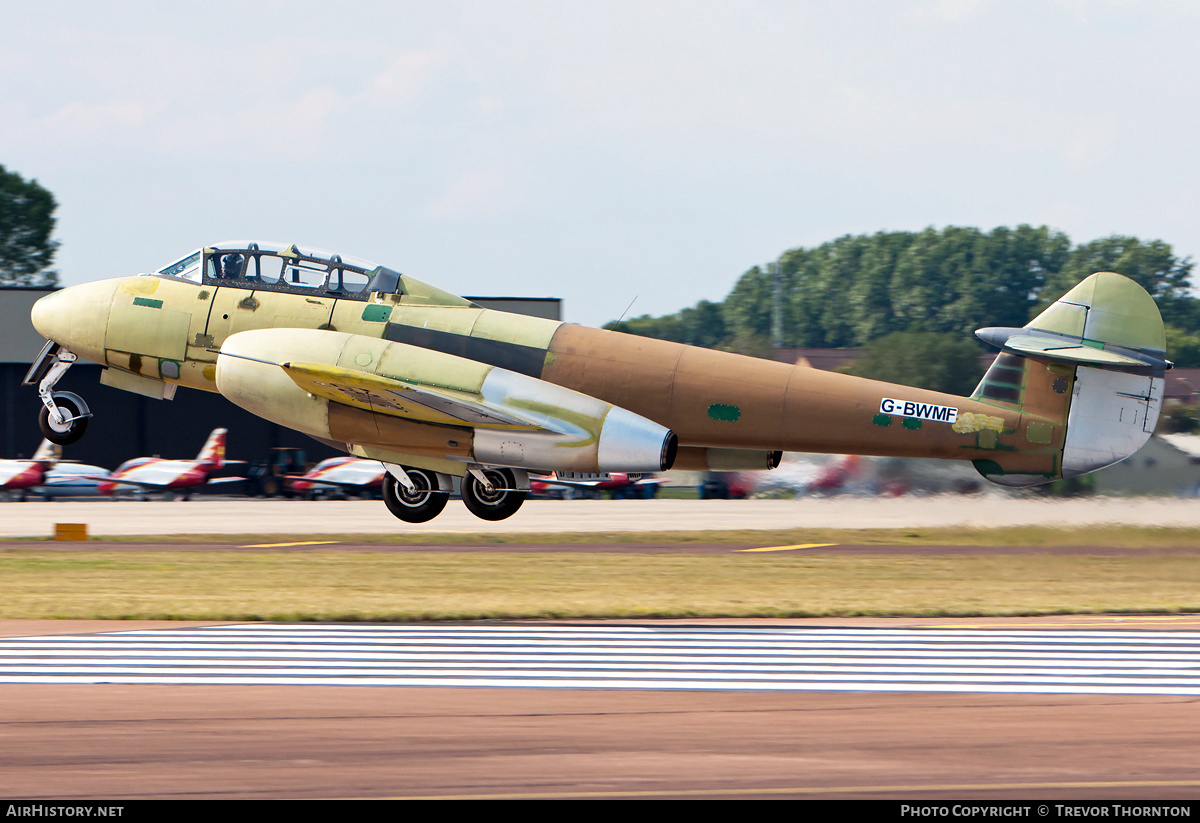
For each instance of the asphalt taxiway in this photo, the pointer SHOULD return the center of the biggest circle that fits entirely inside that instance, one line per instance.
(122, 740)
(79, 740)
(217, 515)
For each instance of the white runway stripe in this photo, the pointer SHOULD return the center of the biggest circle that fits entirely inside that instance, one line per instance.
(639, 657)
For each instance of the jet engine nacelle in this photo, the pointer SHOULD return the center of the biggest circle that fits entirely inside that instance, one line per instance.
(413, 401)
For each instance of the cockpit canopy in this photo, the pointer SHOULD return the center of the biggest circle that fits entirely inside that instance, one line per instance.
(276, 267)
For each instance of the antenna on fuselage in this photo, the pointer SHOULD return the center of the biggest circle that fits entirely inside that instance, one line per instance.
(627, 308)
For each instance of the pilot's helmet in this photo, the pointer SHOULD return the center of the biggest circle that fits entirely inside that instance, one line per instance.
(231, 264)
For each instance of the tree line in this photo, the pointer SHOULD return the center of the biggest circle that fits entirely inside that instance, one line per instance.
(933, 286)
(26, 224)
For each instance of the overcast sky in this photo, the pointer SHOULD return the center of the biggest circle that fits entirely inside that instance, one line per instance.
(594, 150)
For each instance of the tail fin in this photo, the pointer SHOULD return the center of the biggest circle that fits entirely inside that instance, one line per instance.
(1090, 365)
(213, 453)
(47, 453)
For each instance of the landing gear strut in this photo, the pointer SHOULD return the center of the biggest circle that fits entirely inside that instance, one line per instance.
(64, 415)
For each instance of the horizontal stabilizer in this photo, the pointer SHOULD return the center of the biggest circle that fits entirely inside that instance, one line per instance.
(152, 486)
(385, 395)
(1063, 349)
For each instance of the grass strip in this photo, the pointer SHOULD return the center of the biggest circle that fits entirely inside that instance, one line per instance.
(389, 586)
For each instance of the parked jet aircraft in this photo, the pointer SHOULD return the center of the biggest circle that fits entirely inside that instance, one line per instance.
(385, 367)
(16, 476)
(347, 474)
(71, 479)
(153, 474)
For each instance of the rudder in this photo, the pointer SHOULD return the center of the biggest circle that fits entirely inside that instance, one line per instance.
(213, 453)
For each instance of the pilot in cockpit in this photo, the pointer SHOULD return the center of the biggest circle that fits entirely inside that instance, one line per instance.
(231, 266)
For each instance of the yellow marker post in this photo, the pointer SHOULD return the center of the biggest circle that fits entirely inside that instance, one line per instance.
(70, 531)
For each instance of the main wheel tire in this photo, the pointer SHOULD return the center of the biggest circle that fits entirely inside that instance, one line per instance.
(68, 432)
(423, 503)
(497, 504)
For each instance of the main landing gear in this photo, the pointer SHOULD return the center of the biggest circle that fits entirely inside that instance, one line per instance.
(419, 499)
(64, 415)
(492, 494)
(419, 495)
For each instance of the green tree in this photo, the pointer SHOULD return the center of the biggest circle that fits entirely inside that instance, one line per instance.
(858, 288)
(747, 309)
(703, 325)
(941, 362)
(1183, 349)
(26, 223)
(666, 327)
(1152, 264)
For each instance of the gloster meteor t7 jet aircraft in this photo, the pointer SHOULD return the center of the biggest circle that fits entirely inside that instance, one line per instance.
(385, 367)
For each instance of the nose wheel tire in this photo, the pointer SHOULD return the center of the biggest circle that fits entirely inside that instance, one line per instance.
(501, 502)
(424, 502)
(69, 431)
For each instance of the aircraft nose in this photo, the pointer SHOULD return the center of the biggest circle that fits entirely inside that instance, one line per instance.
(76, 317)
(45, 314)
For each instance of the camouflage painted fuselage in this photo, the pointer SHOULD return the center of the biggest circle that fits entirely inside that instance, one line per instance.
(155, 330)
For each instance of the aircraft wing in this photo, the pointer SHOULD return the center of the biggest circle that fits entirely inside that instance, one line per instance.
(550, 480)
(384, 395)
(150, 485)
(570, 484)
(141, 484)
(345, 484)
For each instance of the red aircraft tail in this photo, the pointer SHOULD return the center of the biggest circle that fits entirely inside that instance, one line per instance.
(47, 454)
(213, 454)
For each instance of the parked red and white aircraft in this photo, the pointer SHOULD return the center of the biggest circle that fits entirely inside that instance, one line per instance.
(617, 484)
(153, 474)
(19, 475)
(349, 474)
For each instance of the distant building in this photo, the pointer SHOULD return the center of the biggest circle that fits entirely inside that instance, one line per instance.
(1169, 464)
(549, 308)
(823, 359)
(1182, 388)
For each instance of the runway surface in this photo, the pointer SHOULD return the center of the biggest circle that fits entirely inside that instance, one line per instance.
(621, 657)
(250, 516)
(1050, 708)
(715, 709)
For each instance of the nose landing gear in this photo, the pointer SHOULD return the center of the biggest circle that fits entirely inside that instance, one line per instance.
(72, 418)
(64, 415)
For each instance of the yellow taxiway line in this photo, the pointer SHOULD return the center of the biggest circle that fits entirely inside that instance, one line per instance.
(789, 548)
